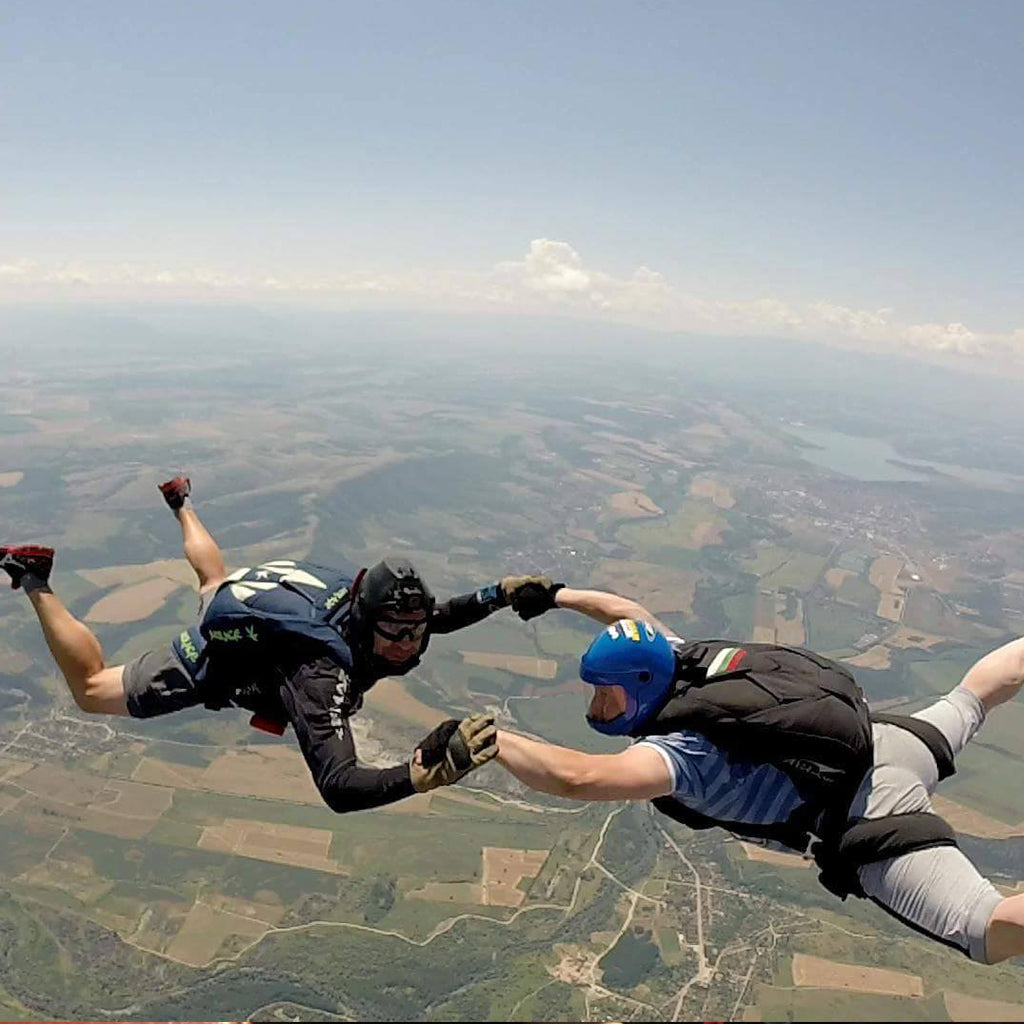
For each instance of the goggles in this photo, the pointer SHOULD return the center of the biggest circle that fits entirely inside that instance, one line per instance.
(392, 629)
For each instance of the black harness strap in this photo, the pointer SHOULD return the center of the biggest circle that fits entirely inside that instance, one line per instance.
(931, 737)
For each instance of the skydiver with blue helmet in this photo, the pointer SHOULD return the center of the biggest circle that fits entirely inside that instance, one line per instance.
(776, 744)
(293, 642)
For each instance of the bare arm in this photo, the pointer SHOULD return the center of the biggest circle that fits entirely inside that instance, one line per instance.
(639, 773)
(605, 607)
(998, 676)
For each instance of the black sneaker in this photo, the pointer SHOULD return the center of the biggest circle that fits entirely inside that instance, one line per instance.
(176, 491)
(28, 558)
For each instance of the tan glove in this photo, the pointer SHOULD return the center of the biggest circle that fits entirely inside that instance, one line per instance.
(530, 596)
(453, 750)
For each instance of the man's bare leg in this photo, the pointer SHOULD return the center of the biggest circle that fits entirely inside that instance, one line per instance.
(74, 646)
(96, 688)
(201, 549)
(995, 679)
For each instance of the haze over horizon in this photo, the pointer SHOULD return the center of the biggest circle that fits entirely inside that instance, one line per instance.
(840, 174)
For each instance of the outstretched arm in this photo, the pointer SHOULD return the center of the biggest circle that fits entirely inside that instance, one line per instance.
(325, 738)
(605, 607)
(998, 676)
(639, 773)
(316, 699)
(531, 596)
(466, 609)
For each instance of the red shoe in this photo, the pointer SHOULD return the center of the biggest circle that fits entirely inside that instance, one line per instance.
(176, 491)
(16, 561)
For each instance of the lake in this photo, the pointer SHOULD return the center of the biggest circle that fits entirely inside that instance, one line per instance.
(871, 458)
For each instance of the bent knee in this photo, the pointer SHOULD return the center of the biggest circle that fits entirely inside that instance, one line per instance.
(1004, 934)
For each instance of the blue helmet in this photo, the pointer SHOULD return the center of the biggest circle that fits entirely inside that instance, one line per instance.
(633, 655)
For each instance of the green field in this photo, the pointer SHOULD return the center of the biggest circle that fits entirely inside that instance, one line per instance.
(449, 803)
(24, 842)
(766, 559)
(500, 634)
(88, 531)
(420, 849)
(798, 570)
(986, 780)
(928, 611)
(941, 675)
(801, 572)
(563, 641)
(418, 917)
(143, 862)
(1004, 729)
(909, 953)
(175, 833)
(142, 639)
(859, 592)
(561, 718)
(833, 627)
(452, 680)
(199, 807)
(183, 753)
(648, 537)
(819, 1005)
(668, 945)
(740, 611)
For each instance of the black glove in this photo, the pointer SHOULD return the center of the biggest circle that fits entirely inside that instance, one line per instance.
(452, 750)
(434, 745)
(530, 596)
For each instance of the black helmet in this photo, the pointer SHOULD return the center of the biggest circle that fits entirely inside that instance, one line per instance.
(391, 587)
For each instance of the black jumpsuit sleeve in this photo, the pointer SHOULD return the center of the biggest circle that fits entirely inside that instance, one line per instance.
(317, 700)
(466, 609)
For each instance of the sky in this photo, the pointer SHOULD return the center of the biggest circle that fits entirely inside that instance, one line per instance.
(841, 171)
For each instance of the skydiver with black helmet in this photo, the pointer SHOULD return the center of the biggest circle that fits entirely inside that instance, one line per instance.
(292, 642)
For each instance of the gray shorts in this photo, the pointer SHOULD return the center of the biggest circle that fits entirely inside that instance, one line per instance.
(157, 683)
(938, 892)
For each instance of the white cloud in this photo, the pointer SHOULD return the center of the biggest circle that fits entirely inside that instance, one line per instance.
(758, 315)
(946, 338)
(551, 267)
(15, 272)
(550, 276)
(870, 325)
(554, 271)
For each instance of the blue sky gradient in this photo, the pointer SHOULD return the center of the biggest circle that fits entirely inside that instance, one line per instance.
(867, 156)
